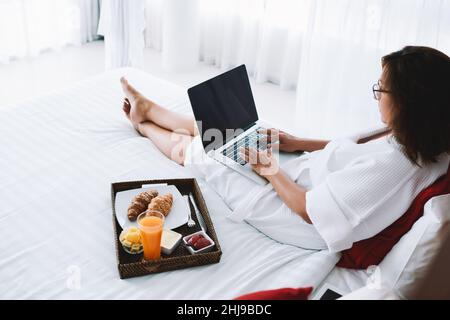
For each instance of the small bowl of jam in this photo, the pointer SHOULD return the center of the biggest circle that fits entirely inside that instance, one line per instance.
(198, 242)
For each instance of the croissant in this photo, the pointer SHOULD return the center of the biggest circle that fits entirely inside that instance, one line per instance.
(162, 204)
(140, 203)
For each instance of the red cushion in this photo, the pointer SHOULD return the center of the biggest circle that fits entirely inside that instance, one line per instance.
(371, 251)
(279, 294)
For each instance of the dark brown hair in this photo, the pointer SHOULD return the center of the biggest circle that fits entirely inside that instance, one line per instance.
(418, 81)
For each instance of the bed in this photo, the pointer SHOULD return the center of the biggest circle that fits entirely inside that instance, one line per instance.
(59, 155)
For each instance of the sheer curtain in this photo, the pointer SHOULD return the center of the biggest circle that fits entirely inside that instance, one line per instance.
(341, 54)
(153, 24)
(263, 34)
(28, 27)
(327, 50)
(122, 24)
(89, 19)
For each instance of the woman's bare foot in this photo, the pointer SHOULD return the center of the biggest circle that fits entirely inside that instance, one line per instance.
(135, 105)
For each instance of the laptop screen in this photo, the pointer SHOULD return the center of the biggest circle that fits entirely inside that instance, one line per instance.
(221, 103)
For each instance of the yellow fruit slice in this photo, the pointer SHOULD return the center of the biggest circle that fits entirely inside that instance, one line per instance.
(133, 237)
(127, 243)
(135, 247)
(133, 229)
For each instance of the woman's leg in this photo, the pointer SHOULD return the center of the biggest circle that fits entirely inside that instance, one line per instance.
(172, 144)
(140, 109)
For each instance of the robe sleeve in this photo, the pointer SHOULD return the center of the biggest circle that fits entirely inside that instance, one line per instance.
(349, 196)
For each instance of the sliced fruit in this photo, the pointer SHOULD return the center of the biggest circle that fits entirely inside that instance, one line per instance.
(127, 243)
(133, 229)
(135, 247)
(133, 237)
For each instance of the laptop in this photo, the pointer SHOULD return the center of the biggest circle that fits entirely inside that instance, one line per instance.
(227, 120)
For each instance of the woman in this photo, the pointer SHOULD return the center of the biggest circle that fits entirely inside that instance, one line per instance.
(341, 191)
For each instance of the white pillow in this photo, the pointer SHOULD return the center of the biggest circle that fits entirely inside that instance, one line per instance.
(408, 260)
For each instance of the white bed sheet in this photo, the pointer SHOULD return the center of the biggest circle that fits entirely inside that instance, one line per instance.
(58, 156)
(345, 281)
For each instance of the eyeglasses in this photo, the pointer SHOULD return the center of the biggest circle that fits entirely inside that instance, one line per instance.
(377, 90)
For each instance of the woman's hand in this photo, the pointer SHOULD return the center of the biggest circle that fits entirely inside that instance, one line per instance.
(287, 142)
(265, 164)
(262, 162)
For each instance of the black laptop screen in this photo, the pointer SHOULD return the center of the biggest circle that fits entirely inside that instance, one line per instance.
(221, 103)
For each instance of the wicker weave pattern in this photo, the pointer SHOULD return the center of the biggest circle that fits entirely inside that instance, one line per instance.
(133, 265)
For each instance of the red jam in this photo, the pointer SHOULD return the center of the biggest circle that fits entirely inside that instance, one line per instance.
(198, 242)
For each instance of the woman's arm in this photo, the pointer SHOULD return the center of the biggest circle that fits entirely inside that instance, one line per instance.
(290, 143)
(291, 193)
(310, 145)
(266, 166)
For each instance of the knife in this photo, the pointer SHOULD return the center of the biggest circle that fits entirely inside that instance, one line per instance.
(198, 214)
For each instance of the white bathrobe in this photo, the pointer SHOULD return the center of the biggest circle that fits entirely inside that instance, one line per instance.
(354, 191)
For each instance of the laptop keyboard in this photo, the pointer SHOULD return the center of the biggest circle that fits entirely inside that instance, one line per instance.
(249, 141)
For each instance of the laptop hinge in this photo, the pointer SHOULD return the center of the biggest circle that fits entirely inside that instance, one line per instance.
(249, 126)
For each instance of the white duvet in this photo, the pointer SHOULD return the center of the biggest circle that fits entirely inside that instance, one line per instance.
(58, 156)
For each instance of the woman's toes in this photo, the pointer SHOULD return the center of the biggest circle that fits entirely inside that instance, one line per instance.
(126, 107)
(124, 82)
(130, 92)
(127, 104)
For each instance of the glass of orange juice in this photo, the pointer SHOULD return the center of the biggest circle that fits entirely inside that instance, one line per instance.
(151, 226)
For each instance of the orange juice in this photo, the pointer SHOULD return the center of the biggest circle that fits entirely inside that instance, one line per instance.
(151, 226)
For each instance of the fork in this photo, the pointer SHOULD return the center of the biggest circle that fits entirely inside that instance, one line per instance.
(191, 222)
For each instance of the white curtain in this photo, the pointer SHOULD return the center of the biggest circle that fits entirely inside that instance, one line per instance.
(153, 23)
(122, 24)
(28, 27)
(328, 50)
(341, 54)
(181, 26)
(89, 19)
(263, 34)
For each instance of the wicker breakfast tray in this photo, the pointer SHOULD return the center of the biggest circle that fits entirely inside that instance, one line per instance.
(134, 265)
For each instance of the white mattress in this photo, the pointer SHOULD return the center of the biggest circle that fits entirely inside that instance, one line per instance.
(60, 153)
